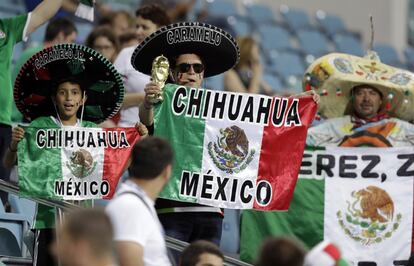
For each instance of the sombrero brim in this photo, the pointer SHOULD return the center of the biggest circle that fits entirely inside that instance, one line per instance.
(217, 48)
(334, 75)
(39, 76)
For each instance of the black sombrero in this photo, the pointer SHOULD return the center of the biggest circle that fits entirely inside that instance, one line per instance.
(217, 48)
(41, 74)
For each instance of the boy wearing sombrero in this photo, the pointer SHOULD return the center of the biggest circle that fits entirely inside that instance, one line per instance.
(194, 51)
(365, 102)
(66, 85)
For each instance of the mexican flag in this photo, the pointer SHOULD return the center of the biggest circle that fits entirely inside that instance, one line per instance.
(73, 163)
(360, 199)
(233, 150)
(85, 9)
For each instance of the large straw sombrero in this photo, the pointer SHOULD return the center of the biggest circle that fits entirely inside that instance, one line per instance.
(334, 75)
(41, 74)
(217, 48)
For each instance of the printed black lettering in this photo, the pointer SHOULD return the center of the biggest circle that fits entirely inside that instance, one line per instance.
(189, 185)
(374, 160)
(343, 166)
(207, 186)
(325, 167)
(220, 190)
(409, 160)
(243, 197)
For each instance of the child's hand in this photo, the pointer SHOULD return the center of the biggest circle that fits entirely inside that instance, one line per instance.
(17, 136)
(142, 129)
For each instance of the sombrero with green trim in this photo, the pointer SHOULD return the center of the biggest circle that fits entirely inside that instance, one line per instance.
(40, 75)
(333, 76)
(217, 48)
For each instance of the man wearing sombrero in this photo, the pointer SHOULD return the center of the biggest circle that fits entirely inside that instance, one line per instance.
(61, 86)
(365, 102)
(194, 51)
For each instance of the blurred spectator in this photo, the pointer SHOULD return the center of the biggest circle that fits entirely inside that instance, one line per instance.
(177, 9)
(202, 253)
(137, 231)
(85, 239)
(247, 76)
(149, 18)
(128, 39)
(12, 31)
(104, 40)
(281, 251)
(120, 21)
(59, 30)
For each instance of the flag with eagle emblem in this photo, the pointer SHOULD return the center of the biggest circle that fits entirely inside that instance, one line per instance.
(233, 150)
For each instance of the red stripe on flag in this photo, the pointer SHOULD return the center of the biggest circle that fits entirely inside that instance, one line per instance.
(115, 160)
(281, 156)
(333, 252)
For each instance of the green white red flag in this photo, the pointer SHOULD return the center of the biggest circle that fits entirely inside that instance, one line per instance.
(73, 163)
(233, 150)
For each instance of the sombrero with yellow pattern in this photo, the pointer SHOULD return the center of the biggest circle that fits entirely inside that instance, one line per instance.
(334, 75)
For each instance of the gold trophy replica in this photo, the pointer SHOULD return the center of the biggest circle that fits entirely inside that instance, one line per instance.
(159, 74)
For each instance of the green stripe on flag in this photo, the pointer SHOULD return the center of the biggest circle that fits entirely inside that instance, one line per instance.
(304, 220)
(32, 182)
(186, 136)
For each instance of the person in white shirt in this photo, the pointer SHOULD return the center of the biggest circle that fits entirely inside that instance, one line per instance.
(138, 233)
(149, 18)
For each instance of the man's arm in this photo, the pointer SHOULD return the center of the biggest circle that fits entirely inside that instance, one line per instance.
(130, 253)
(42, 13)
(133, 99)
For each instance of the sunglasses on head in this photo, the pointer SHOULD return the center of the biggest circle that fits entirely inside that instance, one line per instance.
(185, 67)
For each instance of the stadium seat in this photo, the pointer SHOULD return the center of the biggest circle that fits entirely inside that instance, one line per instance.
(312, 42)
(273, 81)
(83, 31)
(25, 207)
(260, 14)
(349, 44)
(330, 24)
(230, 238)
(241, 26)
(13, 6)
(222, 8)
(287, 64)
(409, 57)
(214, 83)
(388, 55)
(296, 19)
(37, 37)
(274, 37)
(8, 243)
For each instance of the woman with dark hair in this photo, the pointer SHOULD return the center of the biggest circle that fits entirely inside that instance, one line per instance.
(104, 40)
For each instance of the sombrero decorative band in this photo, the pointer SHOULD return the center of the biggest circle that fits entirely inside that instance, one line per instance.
(40, 75)
(217, 48)
(334, 76)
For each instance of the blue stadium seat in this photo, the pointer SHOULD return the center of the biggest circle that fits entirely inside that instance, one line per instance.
(274, 37)
(409, 57)
(8, 243)
(222, 8)
(83, 31)
(388, 55)
(18, 50)
(7, 13)
(25, 207)
(330, 24)
(38, 35)
(260, 14)
(349, 44)
(230, 239)
(119, 6)
(241, 26)
(295, 18)
(273, 81)
(290, 67)
(214, 83)
(12, 6)
(312, 42)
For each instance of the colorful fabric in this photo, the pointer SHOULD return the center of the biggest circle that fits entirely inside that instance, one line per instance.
(341, 131)
(359, 199)
(11, 32)
(233, 150)
(73, 163)
(325, 254)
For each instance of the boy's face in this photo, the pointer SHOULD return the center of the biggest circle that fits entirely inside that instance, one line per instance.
(68, 99)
